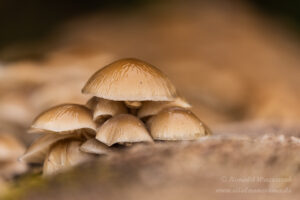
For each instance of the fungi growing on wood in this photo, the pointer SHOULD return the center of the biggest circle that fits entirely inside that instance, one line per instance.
(123, 93)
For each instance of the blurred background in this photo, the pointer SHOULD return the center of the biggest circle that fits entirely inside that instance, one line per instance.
(234, 61)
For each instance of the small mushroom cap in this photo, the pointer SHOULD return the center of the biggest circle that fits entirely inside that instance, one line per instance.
(153, 107)
(64, 155)
(122, 129)
(104, 108)
(11, 168)
(130, 80)
(94, 146)
(10, 148)
(133, 104)
(38, 150)
(64, 118)
(176, 124)
(92, 102)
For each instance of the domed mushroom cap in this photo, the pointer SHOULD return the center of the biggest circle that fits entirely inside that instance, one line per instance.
(94, 146)
(38, 150)
(153, 107)
(64, 155)
(104, 108)
(133, 104)
(10, 148)
(122, 129)
(91, 103)
(130, 80)
(176, 124)
(64, 118)
(12, 168)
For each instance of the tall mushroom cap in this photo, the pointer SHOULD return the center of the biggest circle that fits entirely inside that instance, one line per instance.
(94, 146)
(37, 151)
(104, 108)
(176, 124)
(153, 107)
(130, 80)
(10, 148)
(64, 118)
(64, 155)
(122, 129)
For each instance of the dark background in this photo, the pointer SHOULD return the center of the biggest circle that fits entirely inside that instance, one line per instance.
(32, 20)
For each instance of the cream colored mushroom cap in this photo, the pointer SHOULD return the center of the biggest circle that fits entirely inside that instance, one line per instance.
(38, 150)
(64, 118)
(104, 107)
(153, 107)
(64, 155)
(130, 80)
(176, 124)
(122, 129)
(10, 148)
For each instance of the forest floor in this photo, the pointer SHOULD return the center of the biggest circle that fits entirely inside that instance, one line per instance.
(237, 68)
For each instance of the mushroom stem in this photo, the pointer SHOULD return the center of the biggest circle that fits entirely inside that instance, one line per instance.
(133, 111)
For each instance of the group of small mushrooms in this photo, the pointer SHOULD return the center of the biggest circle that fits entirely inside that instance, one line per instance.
(132, 101)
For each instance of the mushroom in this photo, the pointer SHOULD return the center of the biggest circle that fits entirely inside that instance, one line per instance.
(104, 109)
(123, 128)
(38, 150)
(64, 119)
(130, 80)
(150, 108)
(64, 155)
(95, 147)
(10, 147)
(10, 169)
(176, 123)
(133, 104)
(10, 150)
(92, 102)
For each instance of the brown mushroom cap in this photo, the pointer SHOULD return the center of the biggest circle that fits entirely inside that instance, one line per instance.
(153, 107)
(11, 168)
(133, 104)
(94, 146)
(10, 148)
(122, 129)
(176, 124)
(63, 155)
(104, 108)
(64, 118)
(92, 102)
(130, 80)
(38, 150)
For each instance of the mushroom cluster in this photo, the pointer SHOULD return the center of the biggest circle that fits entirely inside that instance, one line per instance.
(131, 101)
